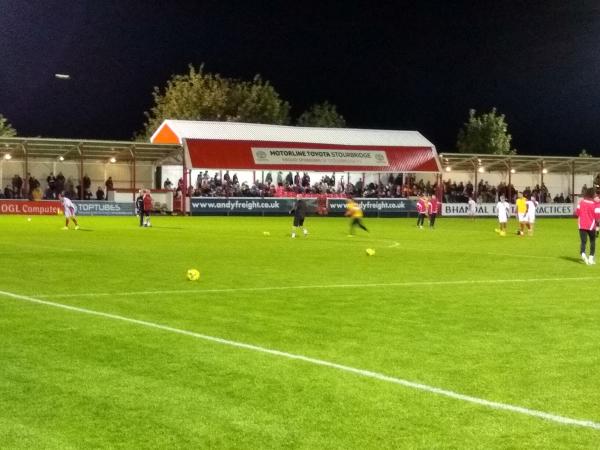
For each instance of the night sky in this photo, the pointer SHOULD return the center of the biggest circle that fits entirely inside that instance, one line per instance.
(400, 65)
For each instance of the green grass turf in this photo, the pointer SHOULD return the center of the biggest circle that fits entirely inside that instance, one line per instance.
(71, 380)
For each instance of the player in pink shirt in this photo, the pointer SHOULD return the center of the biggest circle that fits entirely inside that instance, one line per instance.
(588, 214)
(432, 209)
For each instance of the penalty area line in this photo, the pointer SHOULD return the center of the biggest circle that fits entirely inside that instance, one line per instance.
(563, 420)
(319, 286)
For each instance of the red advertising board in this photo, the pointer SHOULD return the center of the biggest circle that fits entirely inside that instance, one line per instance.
(45, 207)
(243, 154)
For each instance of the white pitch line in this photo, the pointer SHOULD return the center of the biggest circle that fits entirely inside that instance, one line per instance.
(39, 247)
(317, 286)
(320, 362)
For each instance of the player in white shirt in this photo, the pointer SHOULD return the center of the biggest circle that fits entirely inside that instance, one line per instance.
(69, 211)
(472, 207)
(503, 208)
(531, 206)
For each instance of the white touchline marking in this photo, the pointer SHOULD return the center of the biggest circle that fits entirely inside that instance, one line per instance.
(38, 247)
(316, 286)
(320, 362)
(512, 255)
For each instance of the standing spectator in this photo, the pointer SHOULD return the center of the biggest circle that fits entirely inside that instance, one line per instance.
(60, 182)
(432, 209)
(305, 180)
(299, 210)
(226, 177)
(297, 179)
(87, 183)
(280, 178)
(17, 185)
(147, 207)
(109, 185)
(421, 210)
(588, 214)
(99, 193)
(69, 211)
(289, 179)
(268, 178)
(51, 180)
(168, 185)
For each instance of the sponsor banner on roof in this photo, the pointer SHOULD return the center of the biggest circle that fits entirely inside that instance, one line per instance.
(220, 154)
(489, 209)
(319, 157)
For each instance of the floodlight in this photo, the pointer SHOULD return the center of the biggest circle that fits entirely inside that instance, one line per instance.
(7, 156)
(113, 159)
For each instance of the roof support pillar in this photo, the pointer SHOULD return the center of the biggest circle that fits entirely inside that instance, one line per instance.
(509, 188)
(573, 183)
(132, 151)
(475, 169)
(80, 149)
(25, 179)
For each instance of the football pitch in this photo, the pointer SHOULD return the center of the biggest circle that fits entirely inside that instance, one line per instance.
(447, 338)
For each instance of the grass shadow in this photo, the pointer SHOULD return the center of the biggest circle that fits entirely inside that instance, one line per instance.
(572, 259)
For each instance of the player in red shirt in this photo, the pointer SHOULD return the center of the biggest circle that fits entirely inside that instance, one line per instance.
(588, 214)
(432, 209)
(147, 207)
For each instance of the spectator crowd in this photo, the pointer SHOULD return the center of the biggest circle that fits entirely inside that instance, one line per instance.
(30, 188)
(228, 185)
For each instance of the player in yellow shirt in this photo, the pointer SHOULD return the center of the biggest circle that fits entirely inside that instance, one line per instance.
(521, 213)
(354, 211)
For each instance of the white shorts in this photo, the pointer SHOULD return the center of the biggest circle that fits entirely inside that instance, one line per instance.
(503, 219)
(530, 218)
(522, 217)
(69, 212)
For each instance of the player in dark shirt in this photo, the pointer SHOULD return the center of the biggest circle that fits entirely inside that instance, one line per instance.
(139, 207)
(299, 210)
